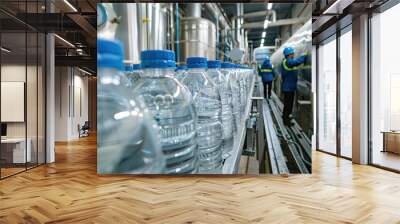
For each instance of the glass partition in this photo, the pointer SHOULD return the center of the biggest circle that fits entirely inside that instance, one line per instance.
(41, 107)
(346, 93)
(13, 109)
(31, 99)
(327, 96)
(22, 77)
(385, 89)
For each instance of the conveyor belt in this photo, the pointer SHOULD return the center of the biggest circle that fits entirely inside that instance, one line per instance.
(277, 159)
(301, 137)
(285, 142)
(289, 148)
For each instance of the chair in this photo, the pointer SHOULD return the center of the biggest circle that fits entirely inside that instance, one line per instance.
(84, 130)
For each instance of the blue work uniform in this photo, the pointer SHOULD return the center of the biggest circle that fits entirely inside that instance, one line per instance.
(290, 72)
(266, 72)
(289, 84)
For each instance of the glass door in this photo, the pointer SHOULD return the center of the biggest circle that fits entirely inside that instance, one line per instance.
(13, 103)
(327, 96)
(385, 90)
(22, 77)
(346, 92)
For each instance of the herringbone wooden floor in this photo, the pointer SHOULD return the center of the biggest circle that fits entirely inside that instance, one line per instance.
(70, 191)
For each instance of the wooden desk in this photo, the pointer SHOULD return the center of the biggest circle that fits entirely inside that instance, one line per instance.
(391, 141)
(13, 150)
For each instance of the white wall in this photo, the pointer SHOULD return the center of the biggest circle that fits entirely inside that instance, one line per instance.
(12, 73)
(33, 126)
(71, 102)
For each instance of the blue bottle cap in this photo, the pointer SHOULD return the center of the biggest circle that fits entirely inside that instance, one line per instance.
(136, 66)
(214, 64)
(196, 62)
(158, 59)
(110, 54)
(128, 68)
(181, 67)
(226, 65)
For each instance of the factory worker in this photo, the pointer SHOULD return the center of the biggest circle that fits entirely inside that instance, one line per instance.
(267, 74)
(289, 81)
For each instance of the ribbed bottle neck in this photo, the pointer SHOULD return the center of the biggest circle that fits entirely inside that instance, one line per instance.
(158, 72)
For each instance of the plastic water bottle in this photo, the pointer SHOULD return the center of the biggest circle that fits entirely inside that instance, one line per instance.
(172, 106)
(242, 89)
(127, 137)
(249, 78)
(234, 90)
(180, 72)
(243, 73)
(208, 106)
(133, 73)
(215, 74)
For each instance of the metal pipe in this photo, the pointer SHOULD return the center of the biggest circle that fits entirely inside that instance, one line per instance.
(217, 38)
(281, 22)
(214, 9)
(271, 13)
(220, 16)
(177, 33)
(193, 10)
(237, 22)
(171, 30)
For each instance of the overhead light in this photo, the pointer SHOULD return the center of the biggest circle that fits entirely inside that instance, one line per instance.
(70, 5)
(84, 71)
(269, 6)
(5, 50)
(65, 41)
(266, 22)
(79, 51)
(263, 34)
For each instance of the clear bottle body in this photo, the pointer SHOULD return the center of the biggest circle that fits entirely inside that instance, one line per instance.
(180, 74)
(208, 106)
(242, 90)
(127, 135)
(226, 100)
(133, 76)
(171, 105)
(234, 96)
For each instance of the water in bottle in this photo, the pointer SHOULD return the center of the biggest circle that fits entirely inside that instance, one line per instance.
(127, 136)
(172, 106)
(233, 85)
(133, 72)
(215, 74)
(208, 109)
(180, 72)
(242, 89)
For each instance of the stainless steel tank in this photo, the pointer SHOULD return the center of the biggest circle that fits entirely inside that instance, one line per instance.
(142, 26)
(197, 38)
